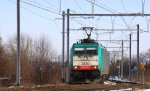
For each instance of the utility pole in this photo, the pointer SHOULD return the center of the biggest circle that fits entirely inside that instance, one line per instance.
(130, 58)
(122, 62)
(138, 51)
(67, 76)
(119, 69)
(68, 34)
(63, 45)
(18, 44)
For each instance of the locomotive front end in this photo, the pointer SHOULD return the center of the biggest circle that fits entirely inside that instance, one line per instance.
(85, 58)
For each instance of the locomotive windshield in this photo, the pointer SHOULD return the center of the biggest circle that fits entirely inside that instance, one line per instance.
(79, 51)
(91, 51)
(85, 51)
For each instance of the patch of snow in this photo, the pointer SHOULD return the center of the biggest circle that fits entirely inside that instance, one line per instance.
(128, 89)
(11, 87)
(21, 86)
(146, 90)
(109, 83)
(38, 85)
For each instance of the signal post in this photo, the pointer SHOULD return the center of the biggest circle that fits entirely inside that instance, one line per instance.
(142, 67)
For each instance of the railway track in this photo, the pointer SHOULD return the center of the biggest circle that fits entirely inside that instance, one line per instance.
(128, 82)
(107, 85)
(99, 86)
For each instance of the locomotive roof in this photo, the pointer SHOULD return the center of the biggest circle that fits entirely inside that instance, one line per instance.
(88, 42)
(88, 45)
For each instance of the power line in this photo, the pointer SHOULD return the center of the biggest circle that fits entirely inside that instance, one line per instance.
(44, 17)
(83, 18)
(84, 11)
(95, 29)
(124, 6)
(57, 26)
(109, 11)
(100, 6)
(60, 6)
(35, 2)
(78, 22)
(111, 23)
(93, 3)
(106, 7)
(78, 6)
(124, 22)
(40, 7)
(127, 12)
(50, 4)
(93, 6)
(143, 3)
(148, 22)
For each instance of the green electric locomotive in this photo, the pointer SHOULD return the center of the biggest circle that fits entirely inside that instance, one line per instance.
(89, 61)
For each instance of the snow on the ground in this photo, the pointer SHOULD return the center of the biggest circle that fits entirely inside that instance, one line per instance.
(109, 83)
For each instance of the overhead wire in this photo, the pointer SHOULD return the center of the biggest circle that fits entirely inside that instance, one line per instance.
(44, 17)
(97, 27)
(93, 6)
(148, 22)
(78, 22)
(92, 11)
(110, 34)
(39, 4)
(48, 7)
(110, 9)
(39, 7)
(121, 17)
(103, 7)
(50, 4)
(114, 12)
(127, 12)
(59, 1)
(57, 26)
(124, 6)
(79, 6)
(143, 4)
(83, 11)
(81, 23)
(75, 20)
(113, 22)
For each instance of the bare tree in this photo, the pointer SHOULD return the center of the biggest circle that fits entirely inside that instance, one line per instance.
(25, 44)
(113, 69)
(3, 61)
(45, 65)
(38, 63)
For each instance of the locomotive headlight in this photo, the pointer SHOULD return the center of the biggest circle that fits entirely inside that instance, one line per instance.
(75, 67)
(95, 67)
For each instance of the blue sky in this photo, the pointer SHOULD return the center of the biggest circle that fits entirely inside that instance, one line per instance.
(36, 22)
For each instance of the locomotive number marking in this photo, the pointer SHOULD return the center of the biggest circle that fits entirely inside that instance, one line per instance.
(85, 63)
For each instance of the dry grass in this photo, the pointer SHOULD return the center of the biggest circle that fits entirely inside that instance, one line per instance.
(58, 87)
